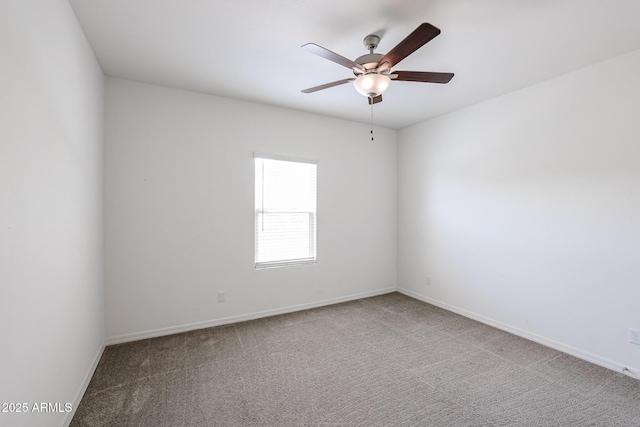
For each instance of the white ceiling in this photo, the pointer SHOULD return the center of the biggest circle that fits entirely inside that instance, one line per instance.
(250, 49)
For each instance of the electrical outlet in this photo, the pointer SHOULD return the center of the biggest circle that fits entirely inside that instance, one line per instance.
(428, 280)
(221, 296)
(634, 336)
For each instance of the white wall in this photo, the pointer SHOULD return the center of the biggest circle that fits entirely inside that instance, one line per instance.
(51, 270)
(525, 209)
(179, 209)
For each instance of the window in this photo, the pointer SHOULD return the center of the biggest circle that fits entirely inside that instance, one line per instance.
(285, 211)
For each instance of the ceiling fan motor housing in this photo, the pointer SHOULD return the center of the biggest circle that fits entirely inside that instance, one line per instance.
(368, 61)
(370, 82)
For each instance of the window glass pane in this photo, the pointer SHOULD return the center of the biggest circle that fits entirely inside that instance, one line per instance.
(285, 207)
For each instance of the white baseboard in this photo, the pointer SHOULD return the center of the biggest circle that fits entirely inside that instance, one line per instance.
(589, 357)
(83, 387)
(240, 318)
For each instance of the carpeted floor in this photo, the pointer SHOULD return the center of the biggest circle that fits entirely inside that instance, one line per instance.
(383, 361)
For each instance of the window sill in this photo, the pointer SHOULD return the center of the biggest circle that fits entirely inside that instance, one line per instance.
(280, 264)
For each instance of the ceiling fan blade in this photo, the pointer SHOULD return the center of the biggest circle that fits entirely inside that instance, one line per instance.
(327, 85)
(414, 41)
(331, 56)
(375, 99)
(421, 76)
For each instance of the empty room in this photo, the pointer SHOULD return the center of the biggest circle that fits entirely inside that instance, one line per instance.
(319, 213)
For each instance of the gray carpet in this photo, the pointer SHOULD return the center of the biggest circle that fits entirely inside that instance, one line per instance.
(383, 361)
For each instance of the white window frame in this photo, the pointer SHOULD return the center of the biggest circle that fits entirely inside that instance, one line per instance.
(260, 210)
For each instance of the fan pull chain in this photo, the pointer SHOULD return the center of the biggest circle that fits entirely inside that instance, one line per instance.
(372, 122)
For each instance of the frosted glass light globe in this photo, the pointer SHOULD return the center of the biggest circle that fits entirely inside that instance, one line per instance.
(372, 85)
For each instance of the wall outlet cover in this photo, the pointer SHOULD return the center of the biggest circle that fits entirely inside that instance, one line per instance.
(634, 336)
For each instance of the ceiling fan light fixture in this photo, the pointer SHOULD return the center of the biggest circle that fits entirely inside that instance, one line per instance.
(373, 71)
(372, 85)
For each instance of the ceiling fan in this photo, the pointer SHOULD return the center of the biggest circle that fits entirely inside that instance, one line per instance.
(373, 71)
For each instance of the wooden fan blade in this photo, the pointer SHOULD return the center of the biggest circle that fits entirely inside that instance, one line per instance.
(327, 85)
(331, 56)
(421, 76)
(375, 99)
(414, 41)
